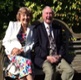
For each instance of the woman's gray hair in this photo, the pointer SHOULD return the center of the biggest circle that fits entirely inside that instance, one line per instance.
(23, 10)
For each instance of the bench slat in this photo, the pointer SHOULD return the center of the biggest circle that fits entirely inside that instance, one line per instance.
(76, 63)
(75, 51)
(75, 46)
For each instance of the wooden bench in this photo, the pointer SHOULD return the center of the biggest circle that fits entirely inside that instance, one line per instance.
(1, 61)
(72, 44)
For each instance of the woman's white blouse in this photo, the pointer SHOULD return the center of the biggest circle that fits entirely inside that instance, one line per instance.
(10, 40)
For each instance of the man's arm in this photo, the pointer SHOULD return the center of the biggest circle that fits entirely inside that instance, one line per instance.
(37, 43)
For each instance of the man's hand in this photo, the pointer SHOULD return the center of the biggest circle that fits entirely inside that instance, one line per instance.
(53, 59)
(57, 57)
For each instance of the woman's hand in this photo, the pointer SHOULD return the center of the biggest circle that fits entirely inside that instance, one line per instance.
(16, 51)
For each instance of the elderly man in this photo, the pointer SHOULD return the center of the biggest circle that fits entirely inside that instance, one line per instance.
(49, 49)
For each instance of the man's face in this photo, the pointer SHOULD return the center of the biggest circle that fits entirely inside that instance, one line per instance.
(47, 15)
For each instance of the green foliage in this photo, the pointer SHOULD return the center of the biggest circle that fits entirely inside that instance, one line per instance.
(35, 8)
(8, 10)
(67, 10)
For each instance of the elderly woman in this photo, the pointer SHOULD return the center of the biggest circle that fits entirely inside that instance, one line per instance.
(18, 43)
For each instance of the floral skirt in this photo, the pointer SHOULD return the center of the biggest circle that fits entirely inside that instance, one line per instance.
(23, 64)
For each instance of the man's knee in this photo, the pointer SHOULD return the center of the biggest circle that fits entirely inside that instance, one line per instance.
(48, 71)
(70, 70)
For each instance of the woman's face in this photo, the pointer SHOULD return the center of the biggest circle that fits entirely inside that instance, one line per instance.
(24, 19)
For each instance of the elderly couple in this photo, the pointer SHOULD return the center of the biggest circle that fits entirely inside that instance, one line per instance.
(20, 39)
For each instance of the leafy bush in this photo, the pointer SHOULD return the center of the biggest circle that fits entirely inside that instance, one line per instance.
(66, 10)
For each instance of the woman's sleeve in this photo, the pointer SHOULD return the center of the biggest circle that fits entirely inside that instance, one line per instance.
(7, 40)
(29, 46)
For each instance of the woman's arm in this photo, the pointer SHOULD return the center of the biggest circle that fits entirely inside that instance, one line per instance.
(7, 40)
(10, 40)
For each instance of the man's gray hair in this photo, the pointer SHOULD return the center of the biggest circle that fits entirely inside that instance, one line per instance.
(47, 7)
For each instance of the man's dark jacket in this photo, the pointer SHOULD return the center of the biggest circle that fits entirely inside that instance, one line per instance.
(41, 47)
